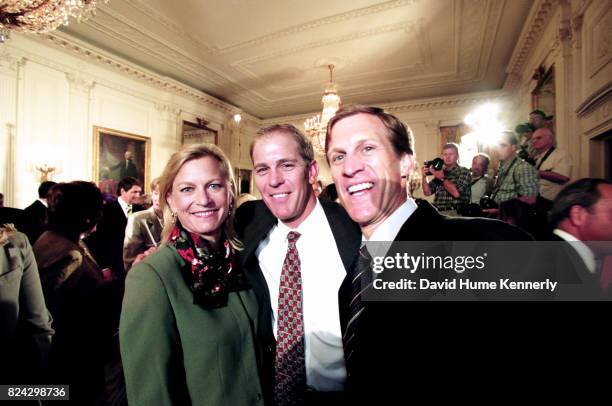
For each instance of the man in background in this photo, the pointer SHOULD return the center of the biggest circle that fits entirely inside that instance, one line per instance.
(538, 119)
(106, 242)
(37, 212)
(451, 184)
(581, 215)
(554, 166)
(143, 229)
(481, 182)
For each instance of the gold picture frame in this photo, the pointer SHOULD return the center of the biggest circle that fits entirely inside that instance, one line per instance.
(110, 148)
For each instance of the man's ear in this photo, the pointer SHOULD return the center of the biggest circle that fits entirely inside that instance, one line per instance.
(406, 165)
(577, 215)
(313, 172)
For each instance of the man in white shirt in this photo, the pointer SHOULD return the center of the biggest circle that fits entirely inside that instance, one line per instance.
(106, 242)
(291, 223)
(144, 229)
(554, 164)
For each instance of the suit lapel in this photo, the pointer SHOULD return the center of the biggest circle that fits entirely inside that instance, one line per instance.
(346, 233)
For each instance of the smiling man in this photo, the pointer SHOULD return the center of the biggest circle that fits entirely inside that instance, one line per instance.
(370, 156)
(296, 251)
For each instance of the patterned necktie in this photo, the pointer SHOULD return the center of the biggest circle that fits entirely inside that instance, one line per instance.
(129, 209)
(289, 366)
(361, 280)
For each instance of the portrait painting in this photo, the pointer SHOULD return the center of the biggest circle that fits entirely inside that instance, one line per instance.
(117, 155)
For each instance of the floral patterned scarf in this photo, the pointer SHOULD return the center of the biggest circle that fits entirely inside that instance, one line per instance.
(210, 274)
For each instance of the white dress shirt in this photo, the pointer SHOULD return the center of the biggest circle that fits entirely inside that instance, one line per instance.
(322, 274)
(388, 229)
(385, 233)
(583, 251)
(124, 206)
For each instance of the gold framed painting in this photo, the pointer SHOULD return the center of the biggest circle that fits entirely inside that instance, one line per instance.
(118, 154)
(197, 133)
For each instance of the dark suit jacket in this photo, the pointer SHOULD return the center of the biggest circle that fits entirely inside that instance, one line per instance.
(107, 242)
(392, 335)
(577, 281)
(17, 217)
(36, 214)
(253, 223)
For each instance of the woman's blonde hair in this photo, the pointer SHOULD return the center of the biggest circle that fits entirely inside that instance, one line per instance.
(174, 165)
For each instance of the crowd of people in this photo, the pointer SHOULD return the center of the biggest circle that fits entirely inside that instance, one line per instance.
(197, 301)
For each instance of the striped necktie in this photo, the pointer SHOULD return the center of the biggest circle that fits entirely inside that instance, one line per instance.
(129, 209)
(361, 280)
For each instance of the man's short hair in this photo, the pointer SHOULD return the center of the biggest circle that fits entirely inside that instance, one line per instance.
(485, 158)
(126, 184)
(510, 136)
(304, 145)
(524, 128)
(451, 145)
(398, 133)
(541, 114)
(583, 192)
(538, 113)
(44, 188)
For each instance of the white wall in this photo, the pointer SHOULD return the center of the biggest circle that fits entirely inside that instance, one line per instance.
(51, 99)
(573, 37)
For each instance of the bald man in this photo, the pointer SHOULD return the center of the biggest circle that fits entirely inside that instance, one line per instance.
(553, 164)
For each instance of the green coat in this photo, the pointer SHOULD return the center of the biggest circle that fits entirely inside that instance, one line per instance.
(174, 352)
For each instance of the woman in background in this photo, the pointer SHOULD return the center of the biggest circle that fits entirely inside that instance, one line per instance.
(187, 322)
(76, 293)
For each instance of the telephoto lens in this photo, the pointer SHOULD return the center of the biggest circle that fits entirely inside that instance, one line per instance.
(436, 163)
(488, 203)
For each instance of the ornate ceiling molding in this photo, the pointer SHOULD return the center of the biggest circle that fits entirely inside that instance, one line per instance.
(601, 96)
(536, 22)
(101, 58)
(308, 26)
(415, 105)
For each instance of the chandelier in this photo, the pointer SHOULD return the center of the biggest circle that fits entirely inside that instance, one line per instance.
(316, 126)
(39, 16)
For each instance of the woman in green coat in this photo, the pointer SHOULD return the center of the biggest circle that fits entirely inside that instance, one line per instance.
(187, 323)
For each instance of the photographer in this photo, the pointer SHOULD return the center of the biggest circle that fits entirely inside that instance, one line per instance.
(451, 184)
(515, 179)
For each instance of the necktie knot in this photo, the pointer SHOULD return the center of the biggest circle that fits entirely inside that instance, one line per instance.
(292, 237)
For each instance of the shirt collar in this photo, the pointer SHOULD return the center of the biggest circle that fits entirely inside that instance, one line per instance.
(388, 229)
(43, 201)
(585, 252)
(123, 204)
(310, 224)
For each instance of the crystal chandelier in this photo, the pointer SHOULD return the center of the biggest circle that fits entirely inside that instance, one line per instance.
(316, 126)
(39, 16)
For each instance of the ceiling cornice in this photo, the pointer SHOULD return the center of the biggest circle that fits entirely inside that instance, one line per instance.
(536, 22)
(414, 105)
(93, 54)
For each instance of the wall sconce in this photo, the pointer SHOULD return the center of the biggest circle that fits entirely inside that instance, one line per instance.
(237, 118)
(46, 172)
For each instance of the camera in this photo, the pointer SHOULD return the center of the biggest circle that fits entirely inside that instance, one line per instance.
(436, 163)
(488, 203)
